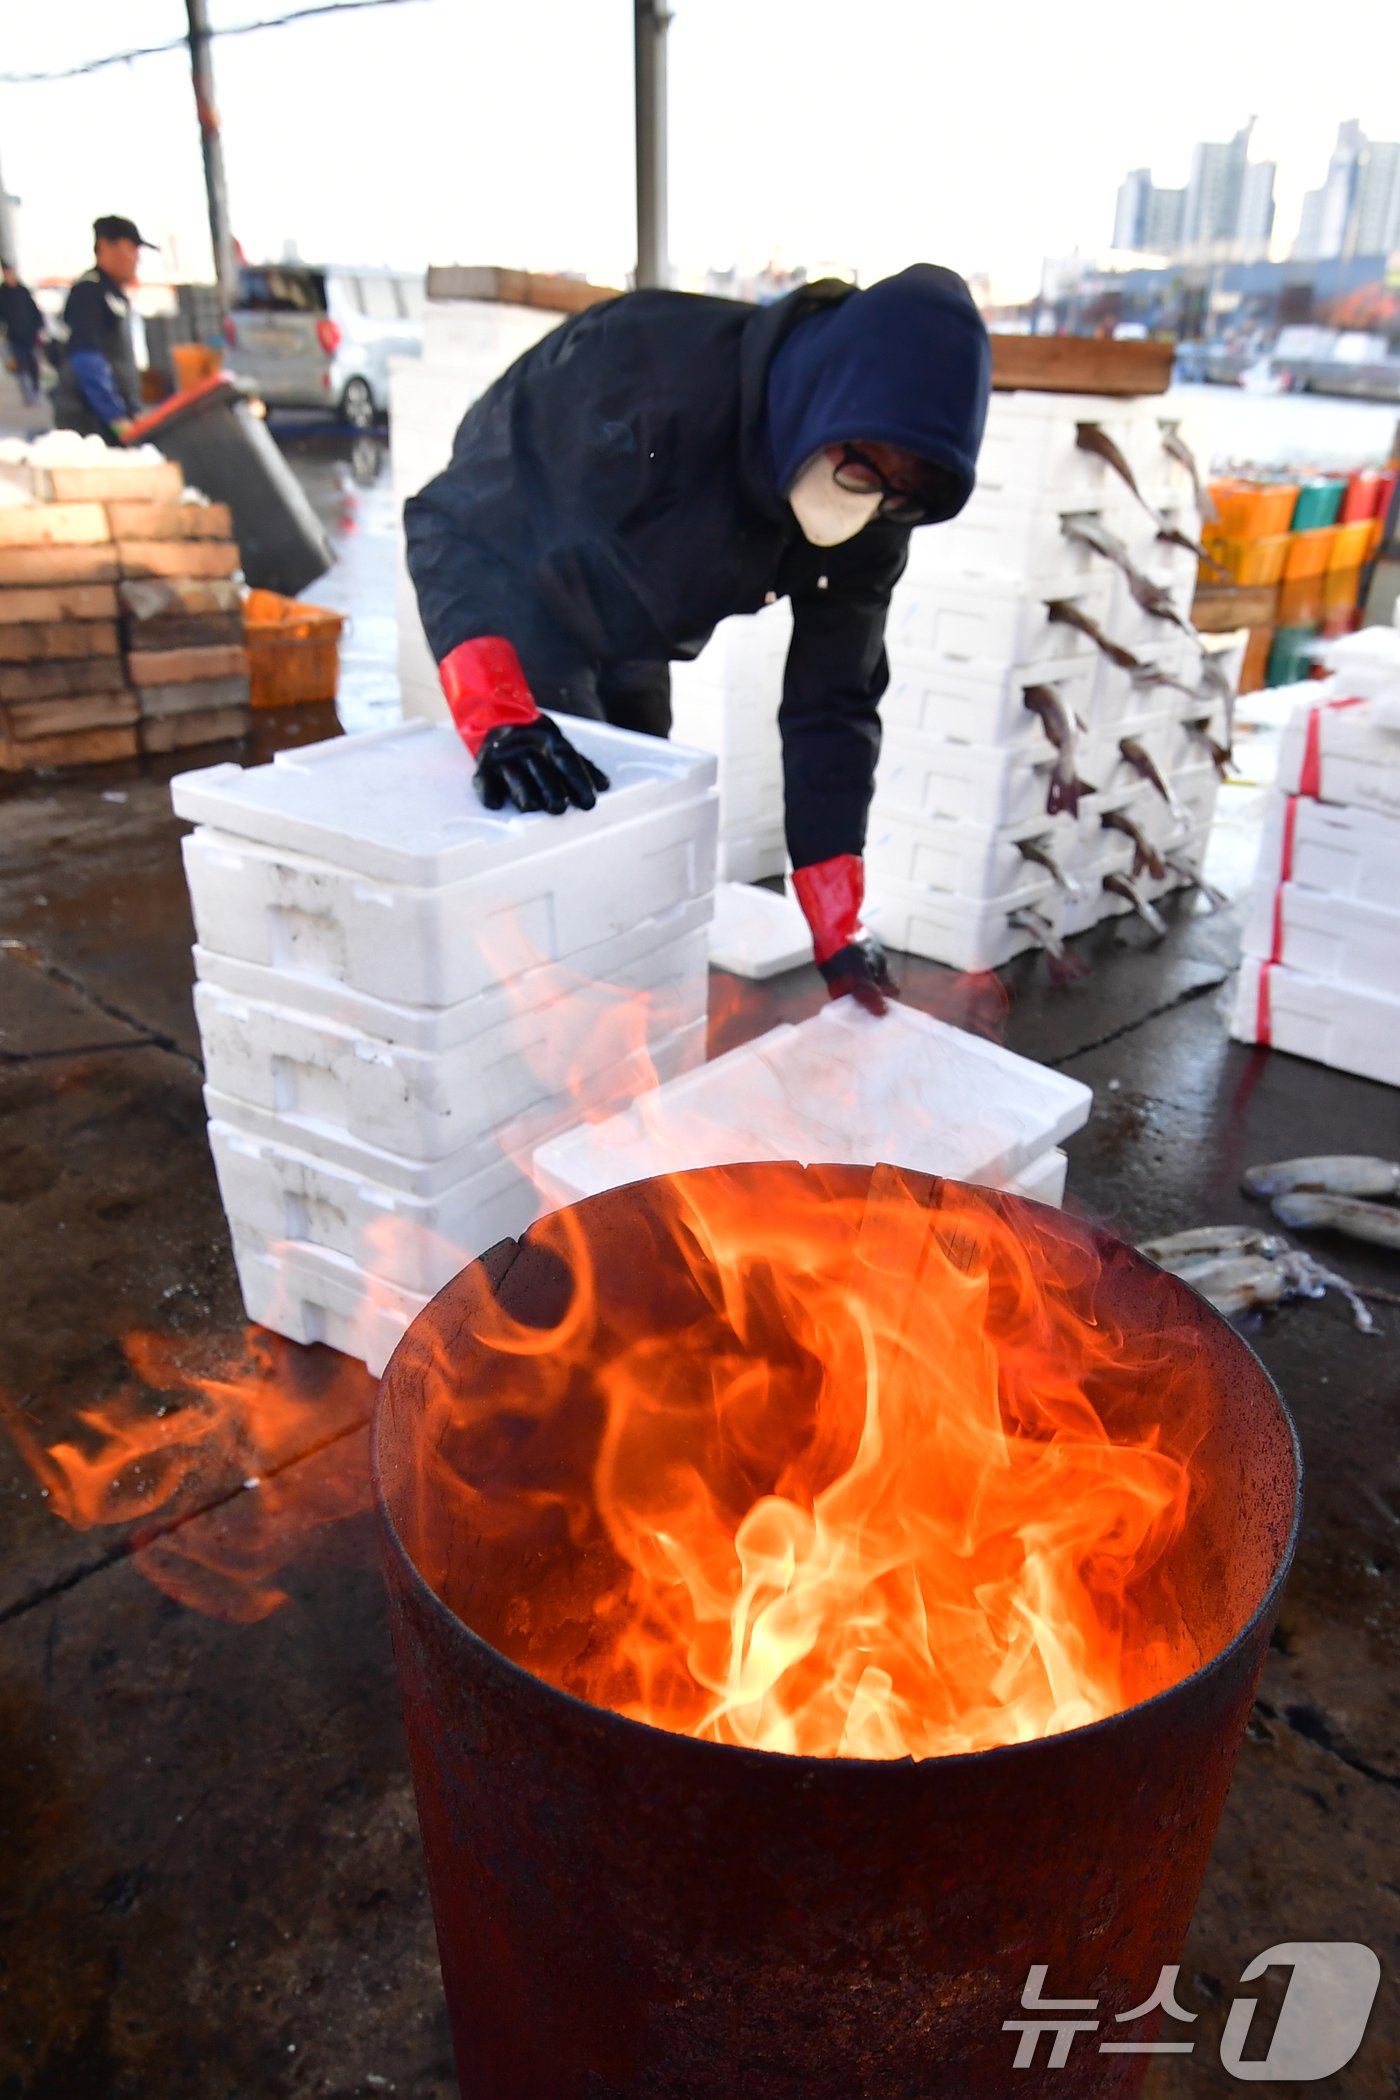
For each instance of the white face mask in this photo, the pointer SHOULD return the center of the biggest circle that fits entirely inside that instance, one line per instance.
(828, 514)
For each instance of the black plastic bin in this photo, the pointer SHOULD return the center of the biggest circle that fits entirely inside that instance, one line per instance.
(226, 451)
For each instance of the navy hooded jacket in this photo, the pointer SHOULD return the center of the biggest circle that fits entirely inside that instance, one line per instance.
(622, 488)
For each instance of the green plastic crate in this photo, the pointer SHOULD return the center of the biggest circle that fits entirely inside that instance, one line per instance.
(1290, 659)
(1318, 504)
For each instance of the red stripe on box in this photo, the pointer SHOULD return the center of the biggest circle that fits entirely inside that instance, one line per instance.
(1264, 1011)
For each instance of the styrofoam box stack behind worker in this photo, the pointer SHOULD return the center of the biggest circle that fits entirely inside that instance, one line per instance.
(726, 701)
(1001, 687)
(400, 994)
(1321, 969)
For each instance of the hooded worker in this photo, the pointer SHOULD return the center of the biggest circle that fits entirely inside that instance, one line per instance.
(664, 460)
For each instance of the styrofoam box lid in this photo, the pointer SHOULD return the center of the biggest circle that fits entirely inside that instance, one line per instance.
(440, 1028)
(398, 804)
(757, 933)
(1366, 734)
(846, 1087)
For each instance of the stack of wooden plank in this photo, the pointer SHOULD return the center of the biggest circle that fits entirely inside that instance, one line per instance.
(121, 628)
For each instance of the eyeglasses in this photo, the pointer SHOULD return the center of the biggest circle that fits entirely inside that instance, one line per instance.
(857, 473)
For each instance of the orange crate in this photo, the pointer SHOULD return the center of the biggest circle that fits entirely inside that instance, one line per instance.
(1253, 510)
(293, 649)
(1341, 590)
(1256, 659)
(1350, 547)
(1300, 603)
(1247, 561)
(1308, 553)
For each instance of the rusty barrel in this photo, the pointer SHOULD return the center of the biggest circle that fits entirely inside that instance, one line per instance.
(624, 1911)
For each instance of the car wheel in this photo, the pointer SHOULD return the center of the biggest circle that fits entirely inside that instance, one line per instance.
(357, 404)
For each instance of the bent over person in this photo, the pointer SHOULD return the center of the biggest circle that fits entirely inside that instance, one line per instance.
(664, 460)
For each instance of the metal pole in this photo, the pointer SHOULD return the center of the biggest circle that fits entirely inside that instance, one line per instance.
(202, 69)
(652, 22)
(7, 224)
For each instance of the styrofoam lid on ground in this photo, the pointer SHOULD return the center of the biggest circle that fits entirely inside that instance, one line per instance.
(1367, 663)
(845, 1087)
(398, 804)
(757, 933)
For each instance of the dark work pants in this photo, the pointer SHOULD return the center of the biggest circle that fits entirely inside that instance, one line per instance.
(629, 695)
(26, 357)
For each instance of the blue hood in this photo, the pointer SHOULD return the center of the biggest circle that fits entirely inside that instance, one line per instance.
(905, 363)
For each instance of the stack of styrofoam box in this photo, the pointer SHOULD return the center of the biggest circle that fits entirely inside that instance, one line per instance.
(960, 829)
(844, 1088)
(726, 701)
(401, 994)
(1321, 969)
(467, 343)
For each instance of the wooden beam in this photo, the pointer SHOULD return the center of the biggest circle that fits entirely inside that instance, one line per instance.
(1078, 364)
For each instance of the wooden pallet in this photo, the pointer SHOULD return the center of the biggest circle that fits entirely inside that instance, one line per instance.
(1079, 364)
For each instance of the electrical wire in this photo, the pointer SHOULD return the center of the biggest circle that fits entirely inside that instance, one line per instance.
(181, 43)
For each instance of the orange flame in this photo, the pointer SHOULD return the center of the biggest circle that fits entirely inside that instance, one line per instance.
(203, 1451)
(862, 1478)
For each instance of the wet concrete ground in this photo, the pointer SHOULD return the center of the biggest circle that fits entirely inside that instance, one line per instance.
(210, 1883)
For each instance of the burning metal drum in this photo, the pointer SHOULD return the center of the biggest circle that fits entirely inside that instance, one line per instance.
(827, 1606)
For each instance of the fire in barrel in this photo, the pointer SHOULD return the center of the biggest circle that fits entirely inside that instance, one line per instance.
(820, 1597)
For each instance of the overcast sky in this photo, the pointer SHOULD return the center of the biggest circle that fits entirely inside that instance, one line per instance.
(868, 132)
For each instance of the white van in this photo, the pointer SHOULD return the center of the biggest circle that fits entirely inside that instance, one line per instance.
(322, 338)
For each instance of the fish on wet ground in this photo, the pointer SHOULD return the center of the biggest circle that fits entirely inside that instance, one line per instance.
(1336, 1173)
(1318, 1210)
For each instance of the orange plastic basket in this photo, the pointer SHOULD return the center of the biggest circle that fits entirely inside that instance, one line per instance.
(1341, 590)
(1247, 561)
(1352, 544)
(1253, 510)
(1308, 553)
(293, 649)
(1300, 603)
(1256, 659)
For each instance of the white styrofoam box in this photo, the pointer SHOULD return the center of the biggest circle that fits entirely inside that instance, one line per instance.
(750, 794)
(435, 946)
(1335, 1024)
(1342, 940)
(1359, 755)
(846, 1086)
(962, 932)
(990, 785)
(757, 933)
(311, 1295)
(479, 328)
(1347, 852)
(398, 804)
(1031, 443)
(1044, 1180)
(734, 724)
(1120, 697)
(1002, 533)
(967, 860)
(990, 618)
(1367, 663)
(430, 1103)
(979, 703)
(752, 856)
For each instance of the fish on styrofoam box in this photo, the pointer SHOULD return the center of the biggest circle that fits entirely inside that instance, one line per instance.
(1356, 744)
(413, 1223)
(1119, 696)
(978, 703)
(990, 785)
(311, 1295)
(843, 1087)
(1341, 1025)
(429, 1081)
(757, 933)
(1031, 443)
(1341, 940)
(967, 860)
(1346, 852)
(990, 619)
(1003, 533)
(962, 932)
(370, 859)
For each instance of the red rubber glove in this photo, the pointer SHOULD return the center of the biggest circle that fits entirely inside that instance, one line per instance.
(850, 959)
(522, 756)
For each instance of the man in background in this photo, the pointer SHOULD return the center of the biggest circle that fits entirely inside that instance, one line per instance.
(99, 389)
(23, 325)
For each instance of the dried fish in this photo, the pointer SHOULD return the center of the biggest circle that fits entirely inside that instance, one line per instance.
(1142, 761)
(1039, 929)
(1252, 1283)
(1093, 438)
(1059, 724)
(1219, 756)
(1044, 855)
(1209, 1242)
(1309, 1210)
(1145, 854)
(1067, 614)
(1124, 886)
(1215, 686)
(1216, 899)
(1152, 597)
(1175, 445)
(1337, 1173)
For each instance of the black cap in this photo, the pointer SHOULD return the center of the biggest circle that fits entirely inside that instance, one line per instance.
(114, 228)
